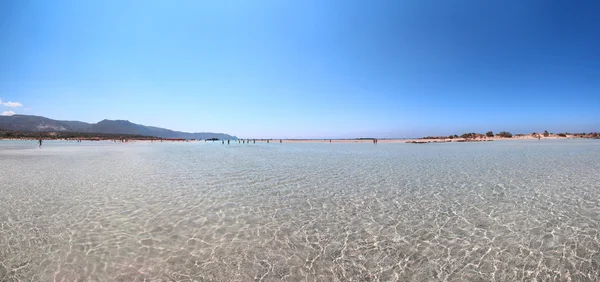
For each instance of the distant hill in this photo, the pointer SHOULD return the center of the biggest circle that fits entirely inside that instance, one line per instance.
(41, 124)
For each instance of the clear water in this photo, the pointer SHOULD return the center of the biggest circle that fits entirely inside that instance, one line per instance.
(507, 210)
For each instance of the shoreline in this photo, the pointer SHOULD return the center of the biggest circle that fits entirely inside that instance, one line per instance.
(371, 140)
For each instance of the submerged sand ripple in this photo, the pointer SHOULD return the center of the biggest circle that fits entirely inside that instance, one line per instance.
(499, 211)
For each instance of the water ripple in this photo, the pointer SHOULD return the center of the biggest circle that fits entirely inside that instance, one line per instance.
(500, 211)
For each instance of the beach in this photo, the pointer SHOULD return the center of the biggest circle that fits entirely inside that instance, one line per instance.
(409, 140)
(481, 138)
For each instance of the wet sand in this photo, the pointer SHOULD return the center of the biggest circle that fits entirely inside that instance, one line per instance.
(407, 140)
(384, 140)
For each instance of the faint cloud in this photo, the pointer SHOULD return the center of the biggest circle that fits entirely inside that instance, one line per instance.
(12, 104)
(7, 113)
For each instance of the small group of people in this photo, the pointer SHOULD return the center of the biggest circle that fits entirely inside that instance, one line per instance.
(244, 141)
(41, 141)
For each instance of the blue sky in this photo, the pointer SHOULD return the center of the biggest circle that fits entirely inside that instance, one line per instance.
(306, 69)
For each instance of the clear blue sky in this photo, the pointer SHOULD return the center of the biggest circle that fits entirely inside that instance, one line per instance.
(306, 68)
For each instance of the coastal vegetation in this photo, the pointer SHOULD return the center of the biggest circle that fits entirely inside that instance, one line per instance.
(505, 134)
(469, 135)
(14, 134)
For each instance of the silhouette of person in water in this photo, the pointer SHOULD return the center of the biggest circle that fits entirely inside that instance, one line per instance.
(40, 142)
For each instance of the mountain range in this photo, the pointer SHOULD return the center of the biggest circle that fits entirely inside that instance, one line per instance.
(31, 123)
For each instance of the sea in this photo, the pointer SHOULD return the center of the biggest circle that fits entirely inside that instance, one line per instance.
(523, 210)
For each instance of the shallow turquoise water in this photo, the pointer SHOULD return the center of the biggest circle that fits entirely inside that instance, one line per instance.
(98, 211)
